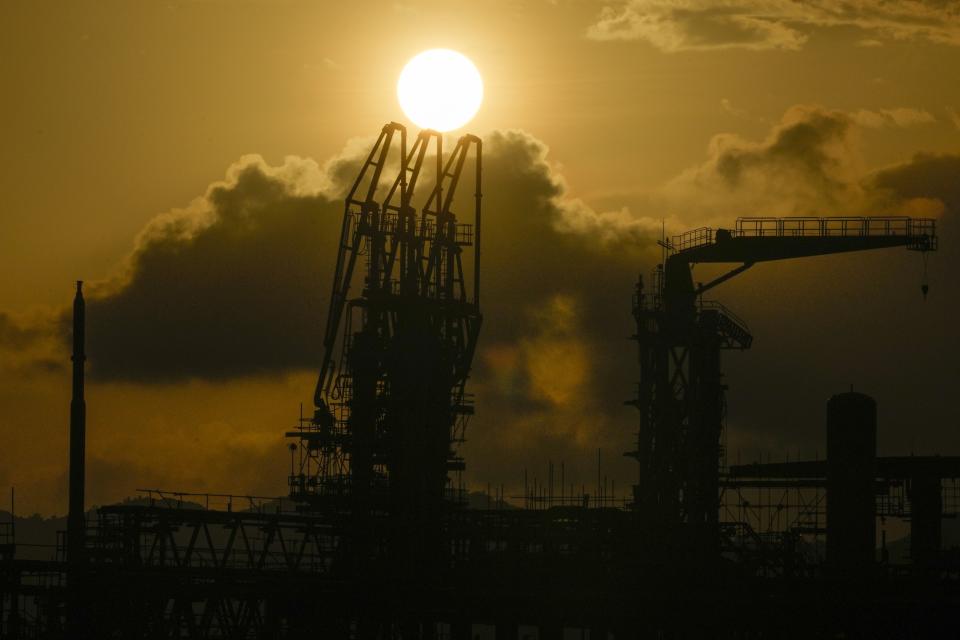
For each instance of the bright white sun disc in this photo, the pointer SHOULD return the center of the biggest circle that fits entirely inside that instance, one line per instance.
(440, 89)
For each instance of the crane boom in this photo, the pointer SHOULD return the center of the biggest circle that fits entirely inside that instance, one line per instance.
(766, 239)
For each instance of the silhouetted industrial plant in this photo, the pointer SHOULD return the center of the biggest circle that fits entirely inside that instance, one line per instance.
(376, 540)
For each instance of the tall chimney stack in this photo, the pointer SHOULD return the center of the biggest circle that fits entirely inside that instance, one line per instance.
(76, 522)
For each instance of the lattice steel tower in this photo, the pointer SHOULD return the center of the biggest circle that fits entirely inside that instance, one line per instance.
(391, 404)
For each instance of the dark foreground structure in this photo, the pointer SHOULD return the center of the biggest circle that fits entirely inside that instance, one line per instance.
(379, 542)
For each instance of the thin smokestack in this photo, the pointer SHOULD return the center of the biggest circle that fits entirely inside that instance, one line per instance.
(76, 523)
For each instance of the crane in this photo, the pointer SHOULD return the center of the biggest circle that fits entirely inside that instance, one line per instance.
(402, 327)
(680, 394)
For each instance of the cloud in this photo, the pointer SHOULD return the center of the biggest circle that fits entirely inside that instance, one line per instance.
(954, 116)
(236, 283)
(698, 25)
(808, 164)
(897, 117)
(17, 336)
(736, 112)
(228, 286)
(29, 345)
(927, 183)
(673, 26)
(231, 290)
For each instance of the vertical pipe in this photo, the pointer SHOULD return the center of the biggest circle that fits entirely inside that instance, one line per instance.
(76, 523)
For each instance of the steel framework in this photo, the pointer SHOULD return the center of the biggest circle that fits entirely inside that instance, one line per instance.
(392, 407)
(680, 394)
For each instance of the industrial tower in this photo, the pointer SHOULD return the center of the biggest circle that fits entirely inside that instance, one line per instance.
(680, 336)
(402, 326)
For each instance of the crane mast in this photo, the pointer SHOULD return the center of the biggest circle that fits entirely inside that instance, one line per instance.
(390, 403)
(680, 394)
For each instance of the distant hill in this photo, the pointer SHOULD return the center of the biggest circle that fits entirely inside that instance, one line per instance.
(481, 500)
(36, 536)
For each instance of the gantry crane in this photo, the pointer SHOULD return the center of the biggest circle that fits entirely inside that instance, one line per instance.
(681, 392)
(402, 326)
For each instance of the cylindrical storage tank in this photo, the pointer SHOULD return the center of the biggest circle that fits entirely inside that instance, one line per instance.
(851, 473)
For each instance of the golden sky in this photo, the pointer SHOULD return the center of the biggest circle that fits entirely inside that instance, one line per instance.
(186, 159)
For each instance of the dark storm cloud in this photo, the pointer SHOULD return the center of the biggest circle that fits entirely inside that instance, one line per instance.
(231, 286)
(557, 278)
(802, 144)
(808, 164)
(701, 25)
(236, 284)
(927, 176)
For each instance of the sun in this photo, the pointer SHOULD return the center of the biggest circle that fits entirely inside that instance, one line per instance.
(440, 89)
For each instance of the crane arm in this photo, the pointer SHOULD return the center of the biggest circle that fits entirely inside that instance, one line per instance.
(765, 239)
(768, 248)
(351, 240)
(385, 229)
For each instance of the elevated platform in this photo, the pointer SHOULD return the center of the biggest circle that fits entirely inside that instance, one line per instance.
(765, 238)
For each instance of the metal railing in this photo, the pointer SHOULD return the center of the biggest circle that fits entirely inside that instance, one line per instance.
(692, 239)
(923, 231)
(713, 305)
(837, 226)
(210, 501)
